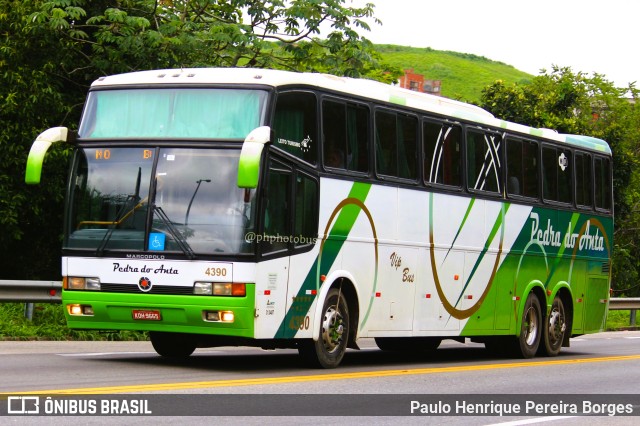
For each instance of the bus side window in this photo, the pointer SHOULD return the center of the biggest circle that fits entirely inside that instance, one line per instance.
(556, 174)
(345, 129)
(603, 183)
(407, 147)
(386, 160)
(522, 168)
(358, 138)
(306, 215)
(584, 182)
(443, 155)
(483, 161)
(334, 130)
(276, 209)
(396, 145)
(294, 125)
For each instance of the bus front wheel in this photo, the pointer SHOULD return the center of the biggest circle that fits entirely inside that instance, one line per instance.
(172, 345)
(329, 349)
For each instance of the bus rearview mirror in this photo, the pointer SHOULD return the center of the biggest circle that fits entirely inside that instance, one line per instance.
(249, 164)
(39, 149)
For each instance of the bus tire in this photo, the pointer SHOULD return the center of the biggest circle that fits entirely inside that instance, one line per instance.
(172, 345)
(329, 349)
(555, 328)
(526, 345)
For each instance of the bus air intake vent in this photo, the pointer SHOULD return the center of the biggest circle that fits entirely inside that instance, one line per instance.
(156, 289)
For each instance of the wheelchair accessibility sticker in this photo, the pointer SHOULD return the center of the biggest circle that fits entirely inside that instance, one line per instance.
(156, 241)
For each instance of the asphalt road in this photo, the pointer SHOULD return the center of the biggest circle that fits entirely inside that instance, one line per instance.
(596, 366)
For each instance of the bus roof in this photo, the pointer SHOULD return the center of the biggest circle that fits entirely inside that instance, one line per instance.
(358, 87)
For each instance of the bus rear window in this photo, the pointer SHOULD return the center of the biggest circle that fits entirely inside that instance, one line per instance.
(603, 183)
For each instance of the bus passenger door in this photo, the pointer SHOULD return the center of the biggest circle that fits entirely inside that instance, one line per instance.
(272, 273)
(304, 247)
(290, 229)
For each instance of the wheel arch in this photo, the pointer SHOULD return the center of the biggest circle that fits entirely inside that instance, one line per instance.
(563, 291)
(345, 281)
(537, 288)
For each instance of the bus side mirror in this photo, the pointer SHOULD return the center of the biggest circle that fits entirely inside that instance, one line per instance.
(249, 164)
(39, 149)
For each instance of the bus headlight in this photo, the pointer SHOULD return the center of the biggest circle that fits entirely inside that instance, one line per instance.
(82, 283)
(218, 316)
(202, 288)
(80, 310)
(219, 289)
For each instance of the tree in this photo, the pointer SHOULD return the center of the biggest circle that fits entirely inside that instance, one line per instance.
(30, 101)
(52, 50)
(179, 33)
(576, 103)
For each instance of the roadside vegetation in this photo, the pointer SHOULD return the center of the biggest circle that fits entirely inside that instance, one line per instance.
(48, 323)
(618, 320)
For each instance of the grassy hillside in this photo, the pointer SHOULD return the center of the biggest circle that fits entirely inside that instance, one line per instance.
(463, 75)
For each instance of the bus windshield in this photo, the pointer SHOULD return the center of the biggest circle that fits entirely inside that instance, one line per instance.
(172, 113)
(191, 204)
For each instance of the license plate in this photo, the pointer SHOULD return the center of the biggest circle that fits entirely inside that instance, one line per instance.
(146, 315)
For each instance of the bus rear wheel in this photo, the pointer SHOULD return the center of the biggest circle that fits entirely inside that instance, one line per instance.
(555, 328)
(329, 349)
(526, 345)
(172, 345)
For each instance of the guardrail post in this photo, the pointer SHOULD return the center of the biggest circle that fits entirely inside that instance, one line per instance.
(28, 311)
(632, 318)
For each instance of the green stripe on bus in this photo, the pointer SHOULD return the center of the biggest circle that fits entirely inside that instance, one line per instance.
(397, 100)
(497, 225)
(464, 220)
(335, 239)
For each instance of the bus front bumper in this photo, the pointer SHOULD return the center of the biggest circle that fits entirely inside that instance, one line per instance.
(215, 315)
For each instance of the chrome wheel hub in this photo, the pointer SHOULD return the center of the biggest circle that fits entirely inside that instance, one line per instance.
(332, 329)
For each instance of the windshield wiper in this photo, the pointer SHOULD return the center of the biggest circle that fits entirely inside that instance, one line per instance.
(177, 236)
(119, 215)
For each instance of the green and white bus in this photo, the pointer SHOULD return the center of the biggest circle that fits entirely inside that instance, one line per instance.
(217, 207)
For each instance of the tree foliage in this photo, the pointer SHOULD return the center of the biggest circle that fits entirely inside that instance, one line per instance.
(590, 105)
(51, 51)
(281, 34)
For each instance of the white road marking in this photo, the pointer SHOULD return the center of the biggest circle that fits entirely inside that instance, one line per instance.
(532, 421)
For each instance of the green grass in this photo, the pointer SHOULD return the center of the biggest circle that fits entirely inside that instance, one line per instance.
(48, 323)
(463, 75)
(617, 320)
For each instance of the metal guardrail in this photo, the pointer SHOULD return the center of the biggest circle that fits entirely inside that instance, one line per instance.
(624, 303)
(631, 304)
(30, 291)
(49, 292)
